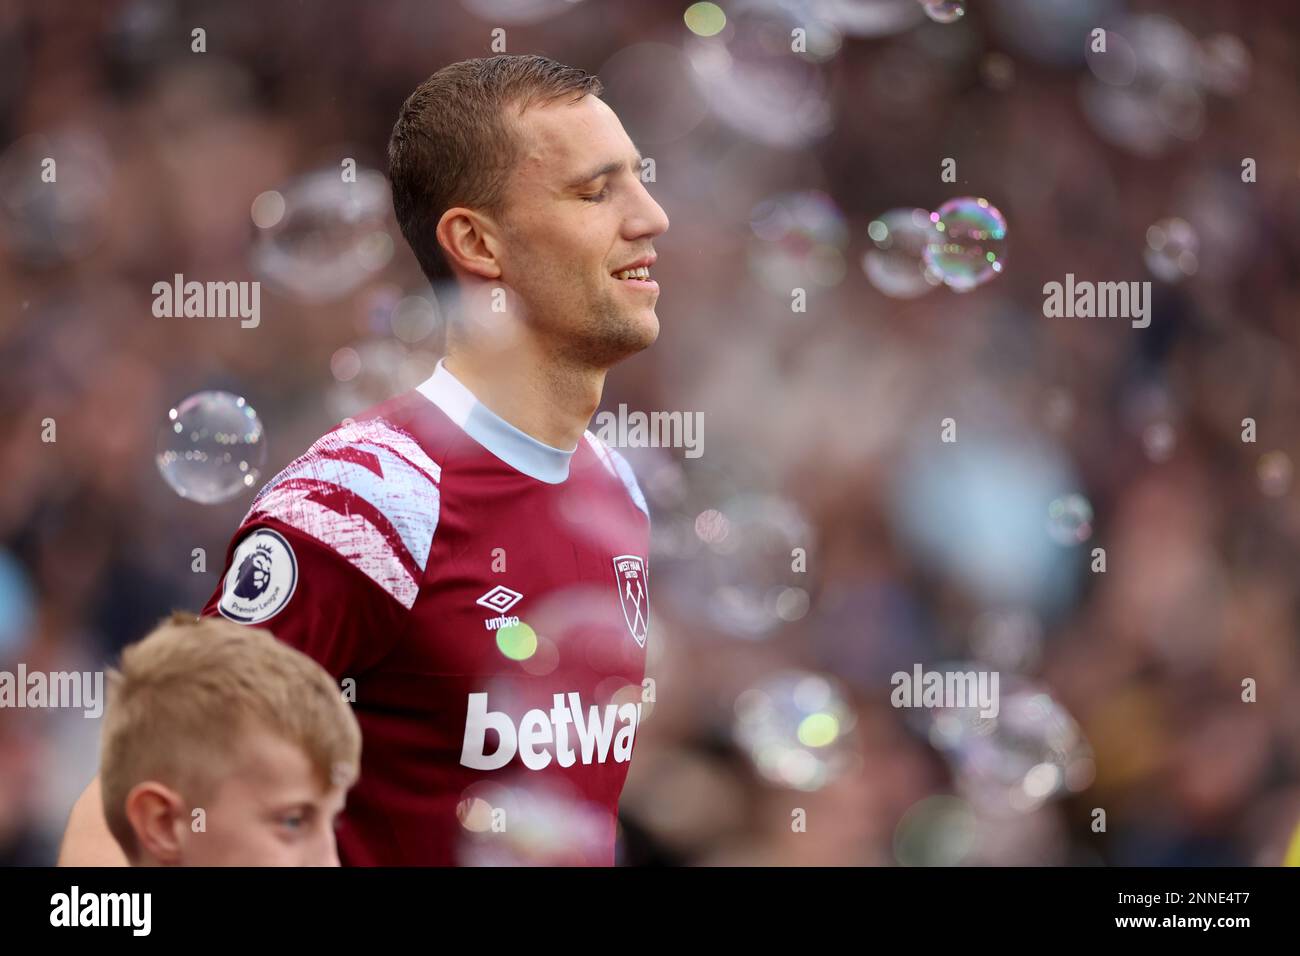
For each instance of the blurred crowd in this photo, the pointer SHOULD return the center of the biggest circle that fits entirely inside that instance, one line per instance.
(828, 536)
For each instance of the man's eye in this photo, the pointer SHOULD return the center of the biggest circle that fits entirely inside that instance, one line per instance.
(293, 821)
(597, 197)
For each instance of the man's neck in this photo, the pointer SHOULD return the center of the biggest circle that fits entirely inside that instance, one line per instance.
(550, 402)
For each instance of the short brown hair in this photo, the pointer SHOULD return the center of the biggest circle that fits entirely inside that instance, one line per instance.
(184, 694)
(452, 144)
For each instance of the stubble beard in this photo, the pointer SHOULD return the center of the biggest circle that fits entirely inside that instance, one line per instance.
(610, 334)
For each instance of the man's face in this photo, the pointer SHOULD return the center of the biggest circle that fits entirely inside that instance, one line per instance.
(575, 213)
(268, 810)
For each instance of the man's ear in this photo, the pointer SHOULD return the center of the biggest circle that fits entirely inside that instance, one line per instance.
(471, 242)
(156, 814)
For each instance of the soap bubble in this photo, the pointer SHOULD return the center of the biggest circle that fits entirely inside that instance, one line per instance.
(42, 222)
(972, 247)
(1145, 92)
(1059, 410)
(944, 11)
(1228, 232)
(1225, 63)
(800, 236)
(738, 580)
(1030, 752)
(704, 19)
(1275, 471)
(267, 209)
(754, 84)
(211, 447)
(345, 363)
(793, 726)
(998, 71)
(517, 641)
(518, 11)
(1069, 520)
(1051, 32)
(896, 266)
(322, 237)
(1011, 638)
(374, 370)
(868, 18)
(936, 831)
(415, 318)
(531, 823)
(677, 107)
(1158, 441)
(1117, 65)
(1172, 245)
(791, 603)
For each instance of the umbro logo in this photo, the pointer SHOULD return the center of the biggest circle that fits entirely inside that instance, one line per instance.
(500, 599)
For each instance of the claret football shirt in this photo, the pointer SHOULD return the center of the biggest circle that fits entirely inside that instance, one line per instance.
(483, 600)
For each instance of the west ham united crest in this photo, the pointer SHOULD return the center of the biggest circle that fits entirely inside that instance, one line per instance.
(634, 593)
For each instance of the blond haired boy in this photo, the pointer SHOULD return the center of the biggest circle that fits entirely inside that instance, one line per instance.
(223, 746)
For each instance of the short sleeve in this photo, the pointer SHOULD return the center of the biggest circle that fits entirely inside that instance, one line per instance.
(309, 596)
(332, 553)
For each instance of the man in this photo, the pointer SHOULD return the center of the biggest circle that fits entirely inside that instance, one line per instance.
(467, 555)
(224, 747)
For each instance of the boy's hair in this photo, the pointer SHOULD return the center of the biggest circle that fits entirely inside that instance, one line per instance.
(453, 144)
(184, 695)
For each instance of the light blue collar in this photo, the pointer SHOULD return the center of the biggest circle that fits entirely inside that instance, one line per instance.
(519, 450)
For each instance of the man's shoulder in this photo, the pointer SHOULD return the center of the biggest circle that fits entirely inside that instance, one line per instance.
(386, 446)
(368, 491)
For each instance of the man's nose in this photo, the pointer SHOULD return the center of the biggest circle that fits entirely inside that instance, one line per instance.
(649, 219)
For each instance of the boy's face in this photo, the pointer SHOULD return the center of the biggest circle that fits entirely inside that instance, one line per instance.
(269, 809)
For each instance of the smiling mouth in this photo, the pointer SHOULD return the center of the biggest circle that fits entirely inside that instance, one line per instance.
(641, 272)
